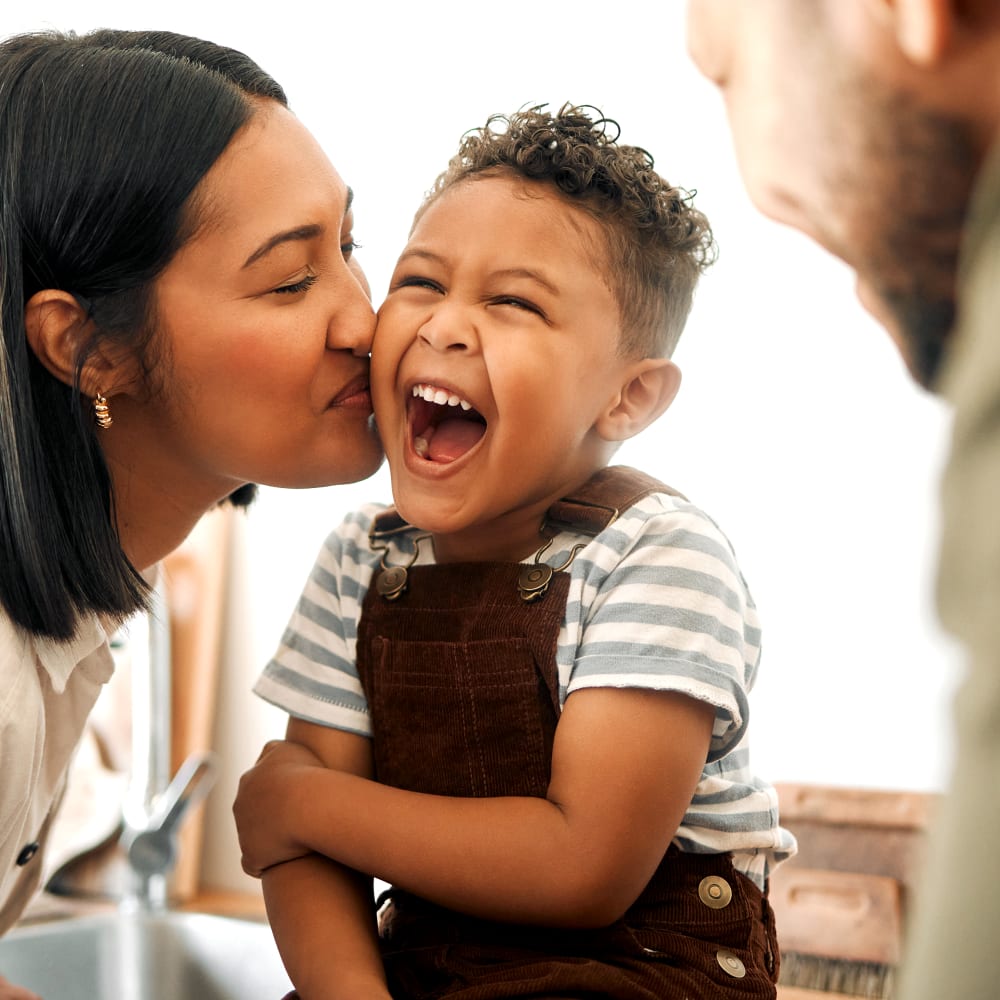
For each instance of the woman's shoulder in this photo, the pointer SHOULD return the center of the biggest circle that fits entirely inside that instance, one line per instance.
(58, 658)
(15, 644)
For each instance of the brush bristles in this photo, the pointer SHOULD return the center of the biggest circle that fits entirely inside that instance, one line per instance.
(871, 980)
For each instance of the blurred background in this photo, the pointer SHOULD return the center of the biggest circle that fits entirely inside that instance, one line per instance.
(796, 428)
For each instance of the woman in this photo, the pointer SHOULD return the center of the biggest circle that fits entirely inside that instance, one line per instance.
(182, 316)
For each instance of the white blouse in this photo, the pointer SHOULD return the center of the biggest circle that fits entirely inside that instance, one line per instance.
(47, 691)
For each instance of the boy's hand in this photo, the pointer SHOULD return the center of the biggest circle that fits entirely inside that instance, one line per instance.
(264, 807)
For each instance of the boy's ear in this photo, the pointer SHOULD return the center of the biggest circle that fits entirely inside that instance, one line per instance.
(56, 325)
(649, 388)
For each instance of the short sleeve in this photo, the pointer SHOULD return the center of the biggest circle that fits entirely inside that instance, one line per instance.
(663, 606)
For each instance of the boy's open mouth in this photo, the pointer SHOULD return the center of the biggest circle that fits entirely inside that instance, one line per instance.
(444, 426)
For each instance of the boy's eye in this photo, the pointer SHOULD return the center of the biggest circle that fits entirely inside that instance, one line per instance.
(349, 247)
(512, 300)
(303, 284)
(416, 281)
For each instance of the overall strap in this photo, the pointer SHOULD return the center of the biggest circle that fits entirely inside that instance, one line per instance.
(595, 504)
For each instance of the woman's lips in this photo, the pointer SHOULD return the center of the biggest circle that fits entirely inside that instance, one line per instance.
(355, 395)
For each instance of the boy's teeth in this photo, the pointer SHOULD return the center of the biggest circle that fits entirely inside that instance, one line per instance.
(440, 396)
(420, 446)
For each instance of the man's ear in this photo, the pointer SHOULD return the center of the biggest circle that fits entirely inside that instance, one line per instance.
(648, 389)
(924, 29)
(57, 325)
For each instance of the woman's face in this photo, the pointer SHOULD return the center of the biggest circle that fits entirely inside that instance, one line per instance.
(263, 327)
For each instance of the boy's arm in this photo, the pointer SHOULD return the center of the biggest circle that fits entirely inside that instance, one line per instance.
(322, 917)
(625, 766)
(322, 913)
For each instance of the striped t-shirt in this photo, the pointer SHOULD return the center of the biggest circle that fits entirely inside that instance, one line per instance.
(656, 601)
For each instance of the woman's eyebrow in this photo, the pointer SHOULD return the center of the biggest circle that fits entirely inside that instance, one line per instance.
(306, 232)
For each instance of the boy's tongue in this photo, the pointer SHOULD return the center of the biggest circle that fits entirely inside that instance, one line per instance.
(451, 439)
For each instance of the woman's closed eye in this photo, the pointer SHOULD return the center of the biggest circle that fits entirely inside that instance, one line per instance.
(303, 284)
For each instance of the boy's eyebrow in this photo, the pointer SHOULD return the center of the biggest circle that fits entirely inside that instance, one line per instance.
(527, 272)
(507, 272)
(422, 254)
(307, 232)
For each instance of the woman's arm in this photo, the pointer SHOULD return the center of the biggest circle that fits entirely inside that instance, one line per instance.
(624, 769)
(322, 914)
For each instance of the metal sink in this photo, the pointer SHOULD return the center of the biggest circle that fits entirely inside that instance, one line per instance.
(145, 956)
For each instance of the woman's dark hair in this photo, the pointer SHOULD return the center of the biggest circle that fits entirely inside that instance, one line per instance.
(103, 139)
(656, 243)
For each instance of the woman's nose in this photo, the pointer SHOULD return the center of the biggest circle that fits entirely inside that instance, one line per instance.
(352, 325)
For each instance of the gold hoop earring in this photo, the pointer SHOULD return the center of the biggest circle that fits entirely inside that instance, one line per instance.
(102, 413)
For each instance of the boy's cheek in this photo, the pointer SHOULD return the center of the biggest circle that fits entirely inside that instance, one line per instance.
(396, 328)
(380, 343)
(387, 320)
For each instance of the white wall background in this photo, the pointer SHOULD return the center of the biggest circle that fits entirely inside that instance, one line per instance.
(796, 426)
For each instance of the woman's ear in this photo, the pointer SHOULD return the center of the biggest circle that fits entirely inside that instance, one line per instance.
(57, 326)
(648, 389)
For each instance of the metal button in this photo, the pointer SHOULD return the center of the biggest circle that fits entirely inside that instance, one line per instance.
(715, 892)
(27, 853)
(730, 963)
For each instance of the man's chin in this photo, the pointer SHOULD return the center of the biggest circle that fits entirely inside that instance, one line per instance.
(919, 328)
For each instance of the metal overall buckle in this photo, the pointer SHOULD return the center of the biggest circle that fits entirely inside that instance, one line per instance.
(534, 579)
(391, 581)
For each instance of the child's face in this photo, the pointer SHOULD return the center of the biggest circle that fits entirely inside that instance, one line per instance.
(494, 357)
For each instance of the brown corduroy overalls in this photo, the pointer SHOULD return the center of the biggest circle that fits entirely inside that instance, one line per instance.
(460, 676)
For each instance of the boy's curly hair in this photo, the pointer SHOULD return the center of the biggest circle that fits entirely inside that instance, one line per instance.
(657, 242)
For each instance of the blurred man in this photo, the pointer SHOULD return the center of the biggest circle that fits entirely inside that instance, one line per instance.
(874, 127)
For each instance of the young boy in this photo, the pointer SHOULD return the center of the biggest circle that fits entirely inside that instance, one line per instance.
(542, 661)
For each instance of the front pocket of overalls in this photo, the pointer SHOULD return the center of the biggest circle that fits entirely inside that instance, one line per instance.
(452, 718)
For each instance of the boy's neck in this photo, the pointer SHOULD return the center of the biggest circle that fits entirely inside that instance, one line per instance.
(509, 542)
(511, 537)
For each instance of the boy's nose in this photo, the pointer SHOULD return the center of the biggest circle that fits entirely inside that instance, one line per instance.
(446, 330)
